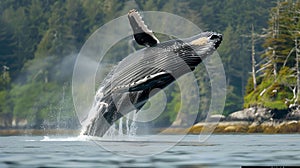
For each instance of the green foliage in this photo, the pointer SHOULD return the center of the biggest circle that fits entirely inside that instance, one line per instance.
(270, 94)
(277, 88)
(6, 108)
(233, 61)
(7, 50)
(38, 101)
(39, 41)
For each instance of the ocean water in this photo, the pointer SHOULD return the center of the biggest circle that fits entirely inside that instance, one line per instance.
(217, 151)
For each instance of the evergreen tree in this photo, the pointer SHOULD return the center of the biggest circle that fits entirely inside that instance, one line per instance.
(5, 99)
(8, 46)
(37, 38)
(278, 86)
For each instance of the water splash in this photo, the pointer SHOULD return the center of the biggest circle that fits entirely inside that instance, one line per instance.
(78, 138)
(121, 126)
(133, 126)
(127, 124)
(94, 112)
(115, 130)
(111, 132)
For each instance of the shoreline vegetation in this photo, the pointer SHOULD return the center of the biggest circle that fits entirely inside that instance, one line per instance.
(28, 132)
(250, 120)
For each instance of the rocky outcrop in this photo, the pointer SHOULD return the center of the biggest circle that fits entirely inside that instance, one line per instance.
(293, 115)
(251, 114)
(253, 120)
(269, 127)
(215, 118)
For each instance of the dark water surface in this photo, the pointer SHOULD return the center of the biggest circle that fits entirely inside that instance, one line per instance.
(217, 151)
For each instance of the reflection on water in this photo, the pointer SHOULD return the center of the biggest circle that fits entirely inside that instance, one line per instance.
(217, 151)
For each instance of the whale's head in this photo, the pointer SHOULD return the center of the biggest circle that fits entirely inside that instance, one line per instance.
(195, 49)
(204, 44)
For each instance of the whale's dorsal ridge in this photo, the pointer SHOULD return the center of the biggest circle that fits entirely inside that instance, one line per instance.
(142, 35)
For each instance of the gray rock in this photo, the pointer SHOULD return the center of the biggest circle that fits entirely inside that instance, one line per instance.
(293, 115)
(251, 114)
(215, 118)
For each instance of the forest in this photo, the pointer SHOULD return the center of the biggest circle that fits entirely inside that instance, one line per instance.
(40, 40)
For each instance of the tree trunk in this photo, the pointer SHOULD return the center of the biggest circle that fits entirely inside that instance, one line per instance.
(253, 59)
(297, 69)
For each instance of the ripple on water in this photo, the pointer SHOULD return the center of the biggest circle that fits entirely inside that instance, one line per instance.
(32, 147)
(220, 151)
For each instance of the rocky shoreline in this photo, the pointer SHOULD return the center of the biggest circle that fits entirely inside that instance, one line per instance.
(253, 120)
(283, 127)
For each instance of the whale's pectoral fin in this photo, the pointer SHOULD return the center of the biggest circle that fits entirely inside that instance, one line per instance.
(157, 80)
(142, 34)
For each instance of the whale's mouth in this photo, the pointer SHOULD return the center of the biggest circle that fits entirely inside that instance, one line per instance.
(217, 38)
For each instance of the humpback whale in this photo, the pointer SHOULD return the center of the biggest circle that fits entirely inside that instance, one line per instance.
(129, 84)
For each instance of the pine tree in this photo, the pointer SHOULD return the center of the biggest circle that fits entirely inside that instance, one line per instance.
(8, 57)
